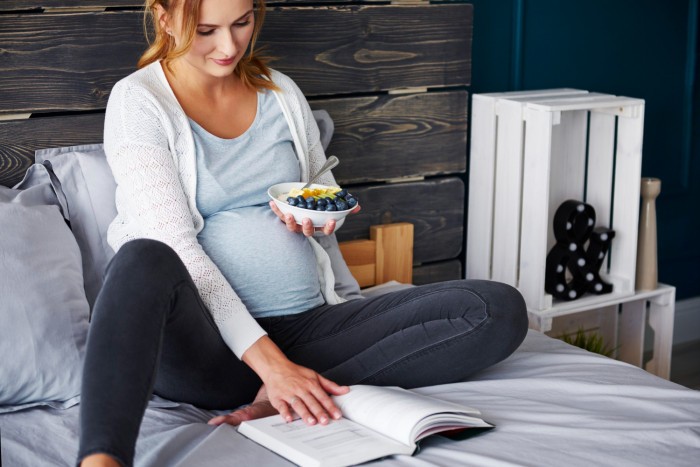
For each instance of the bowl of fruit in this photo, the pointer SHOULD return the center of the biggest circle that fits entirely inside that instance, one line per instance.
(320, 203)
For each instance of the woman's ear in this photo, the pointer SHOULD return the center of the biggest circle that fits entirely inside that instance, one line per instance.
(162, 16)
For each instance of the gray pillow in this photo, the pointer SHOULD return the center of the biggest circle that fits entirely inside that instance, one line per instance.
(87, 183)
(43, 311)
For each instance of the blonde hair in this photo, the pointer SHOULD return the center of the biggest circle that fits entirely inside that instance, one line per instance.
(252, 68)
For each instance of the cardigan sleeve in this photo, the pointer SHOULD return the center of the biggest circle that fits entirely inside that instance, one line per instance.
(152, 203)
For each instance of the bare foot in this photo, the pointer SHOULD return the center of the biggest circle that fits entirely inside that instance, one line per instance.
(261, 407)
(99, 460)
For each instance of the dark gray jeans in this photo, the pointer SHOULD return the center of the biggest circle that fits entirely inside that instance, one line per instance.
(151, 333)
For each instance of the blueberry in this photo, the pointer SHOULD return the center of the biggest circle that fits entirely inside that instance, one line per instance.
(331, 207)
(342, 193)
(300, 201)
(342, 205)
(352, 202)
(322, 202)
(320, 208)
(310, 203)
(292, 201)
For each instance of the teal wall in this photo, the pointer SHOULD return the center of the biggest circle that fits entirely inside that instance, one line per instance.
(639, 48)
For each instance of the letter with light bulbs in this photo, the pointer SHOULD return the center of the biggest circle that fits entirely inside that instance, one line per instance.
(574, 226)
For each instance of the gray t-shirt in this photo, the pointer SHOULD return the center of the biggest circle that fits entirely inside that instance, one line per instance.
(272, 270)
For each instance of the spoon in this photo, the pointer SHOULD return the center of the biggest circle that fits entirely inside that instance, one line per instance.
(330, 163)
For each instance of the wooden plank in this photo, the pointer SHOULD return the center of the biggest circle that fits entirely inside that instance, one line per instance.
(19, 139)
(435, 207)
(567, 165)
(508, 193)
(385, 137)
(535, 198)
(38, 5)
(482, 181)
(437, 272)
(599, 183)
(631, 330)
(370, 48)
(661, 317)
(26, 5)
(376, 138)
(628, 172)
(55, 62)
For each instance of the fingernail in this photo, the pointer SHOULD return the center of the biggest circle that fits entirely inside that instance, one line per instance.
(311, 420)
(337, 415)
(324, 420)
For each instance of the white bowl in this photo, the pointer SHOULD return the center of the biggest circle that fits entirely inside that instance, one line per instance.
(318, 218)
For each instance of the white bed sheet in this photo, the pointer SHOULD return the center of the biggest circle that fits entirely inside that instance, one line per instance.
(552, 404)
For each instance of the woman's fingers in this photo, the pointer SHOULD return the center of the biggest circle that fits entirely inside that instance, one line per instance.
(307, 409)
(276, 210)
(258, 409)
(306, 227)
(310, 401)
(285, 411)
(329, 227)
(329, 406)
(292, 225)
(332, 387)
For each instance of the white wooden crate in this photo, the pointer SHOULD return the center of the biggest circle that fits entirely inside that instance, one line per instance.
(532, 150)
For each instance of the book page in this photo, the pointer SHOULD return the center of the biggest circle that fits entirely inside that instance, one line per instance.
(341, 442)
(399, 413)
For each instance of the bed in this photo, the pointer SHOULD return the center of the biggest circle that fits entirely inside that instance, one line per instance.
(389, 83)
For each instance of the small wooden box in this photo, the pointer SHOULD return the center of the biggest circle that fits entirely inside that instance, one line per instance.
(532, 150)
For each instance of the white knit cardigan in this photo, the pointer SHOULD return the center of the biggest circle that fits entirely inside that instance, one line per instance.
(150, 149)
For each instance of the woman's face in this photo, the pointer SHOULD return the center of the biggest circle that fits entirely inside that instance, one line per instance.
(223, 33)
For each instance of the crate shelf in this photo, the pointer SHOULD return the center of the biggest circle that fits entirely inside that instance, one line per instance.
(530, 152)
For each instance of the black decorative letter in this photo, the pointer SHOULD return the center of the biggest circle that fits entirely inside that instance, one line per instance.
(574, 225)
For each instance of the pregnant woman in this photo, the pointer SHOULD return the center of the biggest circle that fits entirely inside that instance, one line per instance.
(214, 297)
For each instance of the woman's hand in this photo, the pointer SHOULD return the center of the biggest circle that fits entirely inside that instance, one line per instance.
(292, 388)
(261, 407)
(306, 227)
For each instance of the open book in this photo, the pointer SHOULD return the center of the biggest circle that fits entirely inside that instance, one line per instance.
(377, 422)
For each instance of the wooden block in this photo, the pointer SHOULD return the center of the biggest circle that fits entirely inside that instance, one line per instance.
(360, 256)
(394, 252)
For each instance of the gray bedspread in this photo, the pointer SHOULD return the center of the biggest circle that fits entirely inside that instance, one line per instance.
(552, 404)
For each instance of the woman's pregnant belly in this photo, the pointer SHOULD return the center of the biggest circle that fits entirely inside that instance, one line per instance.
(272, 270)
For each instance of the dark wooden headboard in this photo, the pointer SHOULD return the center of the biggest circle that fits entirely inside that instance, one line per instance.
(393, 76)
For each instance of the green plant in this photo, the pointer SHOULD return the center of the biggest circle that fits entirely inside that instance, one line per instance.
(590, 341)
